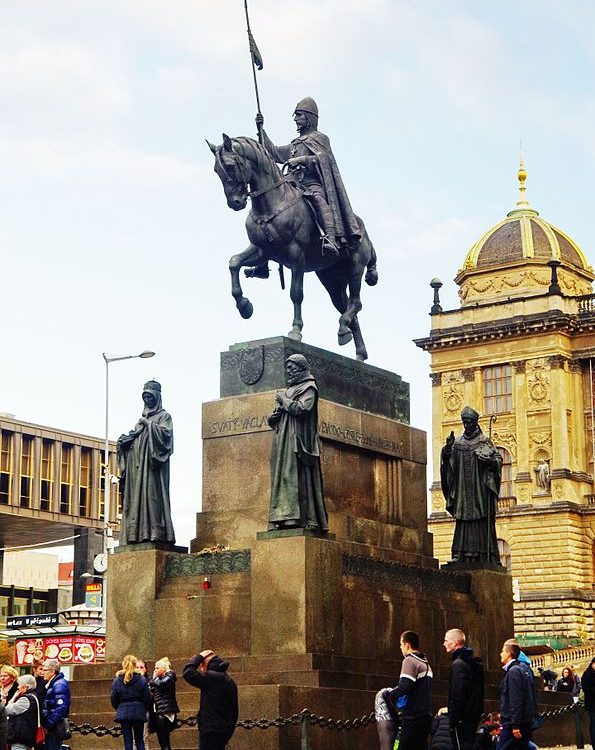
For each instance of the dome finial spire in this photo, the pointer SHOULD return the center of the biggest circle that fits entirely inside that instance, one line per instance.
(522, 176)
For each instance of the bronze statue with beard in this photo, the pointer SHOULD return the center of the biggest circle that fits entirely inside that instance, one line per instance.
(471, 471)
(297, 499)
(143, 461)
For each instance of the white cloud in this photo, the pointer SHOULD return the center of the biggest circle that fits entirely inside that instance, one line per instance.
(60, 87)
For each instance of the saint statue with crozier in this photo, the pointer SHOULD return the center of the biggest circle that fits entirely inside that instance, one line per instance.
(471, 472)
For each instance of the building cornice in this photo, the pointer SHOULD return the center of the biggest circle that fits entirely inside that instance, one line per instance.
(513, 327)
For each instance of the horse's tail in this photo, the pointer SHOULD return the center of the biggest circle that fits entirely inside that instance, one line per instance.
(371, 276)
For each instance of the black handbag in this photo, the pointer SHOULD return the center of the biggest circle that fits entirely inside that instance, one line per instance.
(63, 731)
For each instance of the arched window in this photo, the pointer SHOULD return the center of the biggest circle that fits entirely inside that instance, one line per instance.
(506, 483)
(504, 551)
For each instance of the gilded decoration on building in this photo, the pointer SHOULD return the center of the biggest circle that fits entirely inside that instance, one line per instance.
(504, 434)
(541, 441)
(498, 284)
(523, 494)
(538, 382)
(452, 391)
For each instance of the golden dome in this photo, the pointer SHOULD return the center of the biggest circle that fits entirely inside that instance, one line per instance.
(511, 259)
(524, 235)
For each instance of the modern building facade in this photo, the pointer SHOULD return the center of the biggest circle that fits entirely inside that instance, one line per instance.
(521, 347)
(52, 489)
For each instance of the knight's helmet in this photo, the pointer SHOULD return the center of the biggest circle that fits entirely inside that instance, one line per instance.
(309, 106)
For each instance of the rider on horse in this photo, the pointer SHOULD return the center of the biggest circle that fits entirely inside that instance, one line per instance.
(312, 168)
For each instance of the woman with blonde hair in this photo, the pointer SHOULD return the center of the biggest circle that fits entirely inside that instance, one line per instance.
(8, 682)
(165, 706)
(130, 697)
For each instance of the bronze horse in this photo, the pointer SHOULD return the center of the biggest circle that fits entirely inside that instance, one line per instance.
(283, 229)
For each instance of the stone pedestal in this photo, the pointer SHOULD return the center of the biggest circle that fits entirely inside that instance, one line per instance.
(306, 621)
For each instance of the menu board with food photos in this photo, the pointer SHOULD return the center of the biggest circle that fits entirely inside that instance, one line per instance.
(67, 649)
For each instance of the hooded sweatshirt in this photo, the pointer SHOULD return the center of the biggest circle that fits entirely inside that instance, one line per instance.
(414, 683)
(218, 710)
(465, 687)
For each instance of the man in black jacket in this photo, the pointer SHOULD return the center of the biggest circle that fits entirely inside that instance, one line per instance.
(517, 703)
(465, 690)
(218, 711)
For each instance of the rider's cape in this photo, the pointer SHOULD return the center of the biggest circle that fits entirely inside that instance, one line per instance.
(346, 223)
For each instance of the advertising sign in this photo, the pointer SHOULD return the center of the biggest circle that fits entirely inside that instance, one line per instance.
(67, 649)
(31, 621)
(93, 595)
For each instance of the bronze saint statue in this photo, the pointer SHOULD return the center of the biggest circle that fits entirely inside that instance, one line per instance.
(471, 470)
(296, 480)
(303, 221)
(143, 460)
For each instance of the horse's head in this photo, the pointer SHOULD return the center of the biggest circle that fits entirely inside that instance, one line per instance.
(234, 172)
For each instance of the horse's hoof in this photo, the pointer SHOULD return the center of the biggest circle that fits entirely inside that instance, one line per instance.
(295, 335)
(344, 337)
(362, 357)
(245, 307)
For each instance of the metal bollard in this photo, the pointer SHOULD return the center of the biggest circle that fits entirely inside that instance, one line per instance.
(305, 732)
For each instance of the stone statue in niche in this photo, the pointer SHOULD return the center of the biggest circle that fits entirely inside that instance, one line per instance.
(542, 476)
(470, 472)
(297, 499)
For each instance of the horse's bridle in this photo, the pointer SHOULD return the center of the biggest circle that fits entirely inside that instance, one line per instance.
(243, 175)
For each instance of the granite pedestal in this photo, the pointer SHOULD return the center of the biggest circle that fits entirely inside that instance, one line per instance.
(306, 621)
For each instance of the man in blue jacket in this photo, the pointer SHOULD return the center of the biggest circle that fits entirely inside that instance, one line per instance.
(56, 704)
(517, 703)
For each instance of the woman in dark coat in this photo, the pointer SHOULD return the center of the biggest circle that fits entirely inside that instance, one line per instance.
(440, 738)
(165, 706)
(131, 698)
(8, 687)
(588, 683)
(568, 682)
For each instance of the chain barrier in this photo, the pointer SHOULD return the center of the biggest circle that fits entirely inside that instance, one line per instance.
(306, 716)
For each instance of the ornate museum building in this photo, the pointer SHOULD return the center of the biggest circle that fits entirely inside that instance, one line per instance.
(521, 347)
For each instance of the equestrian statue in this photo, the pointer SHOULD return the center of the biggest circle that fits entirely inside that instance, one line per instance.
(300, 218)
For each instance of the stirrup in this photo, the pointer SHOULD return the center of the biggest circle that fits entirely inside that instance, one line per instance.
(329, 247)
(257, 272)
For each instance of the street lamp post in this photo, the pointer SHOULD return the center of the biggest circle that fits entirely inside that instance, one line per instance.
(106, 472)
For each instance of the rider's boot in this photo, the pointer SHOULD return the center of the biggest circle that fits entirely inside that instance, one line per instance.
(257, 272)
(329, 238)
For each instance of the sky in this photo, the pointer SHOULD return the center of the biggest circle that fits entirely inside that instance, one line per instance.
(114, 230)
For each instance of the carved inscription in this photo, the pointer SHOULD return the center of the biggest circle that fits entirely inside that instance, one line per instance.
(330, 430)
(356, 437)
(239, 424)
